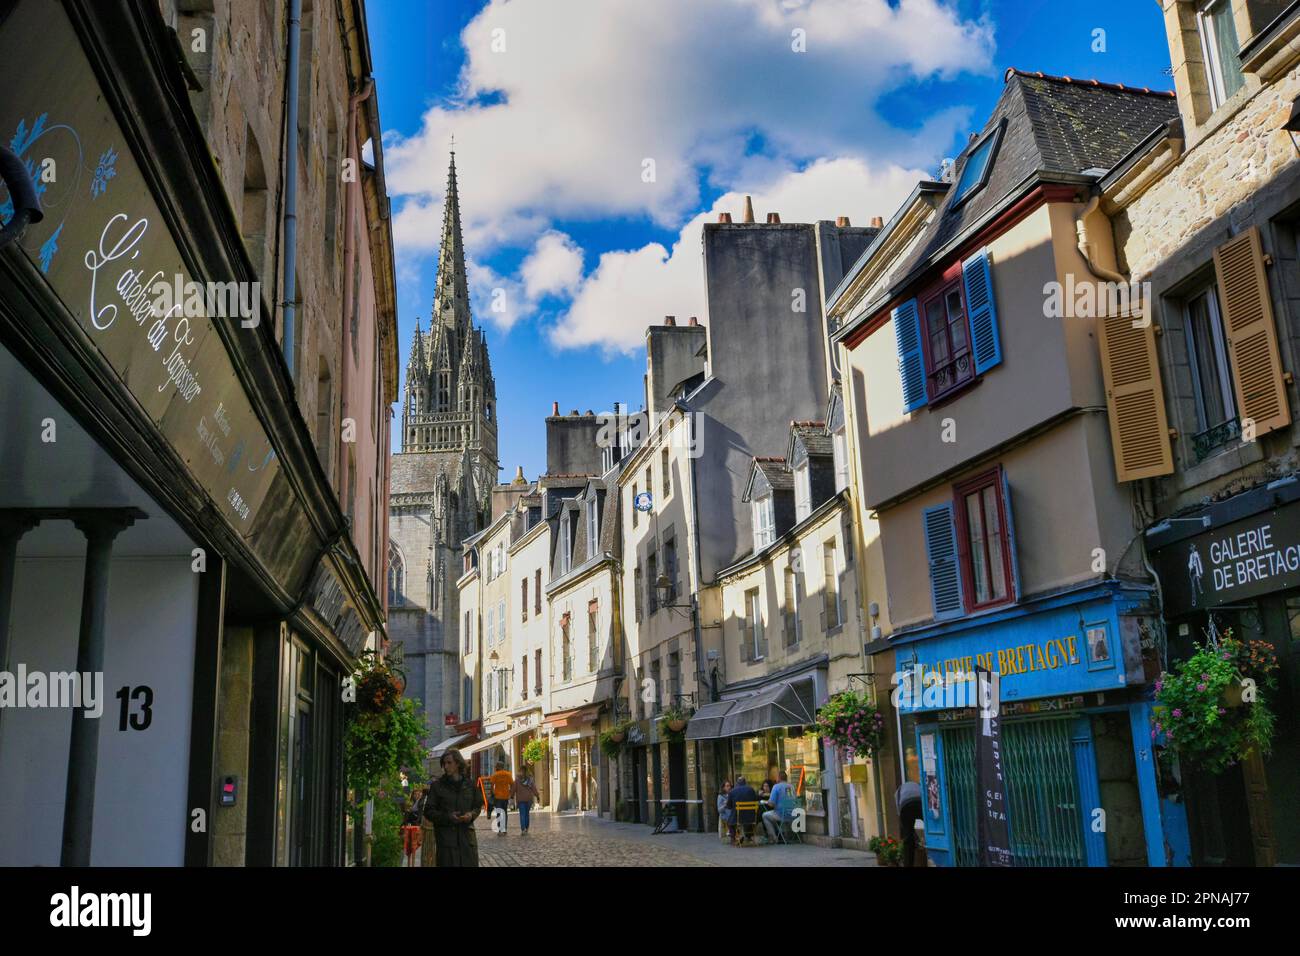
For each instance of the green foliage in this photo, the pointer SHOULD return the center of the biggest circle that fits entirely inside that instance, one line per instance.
(386, 827)
(889, 852)
(852, 723)
(1193, 709)
(383, 733)
(534, 751)
(672, 713)
(610, 747)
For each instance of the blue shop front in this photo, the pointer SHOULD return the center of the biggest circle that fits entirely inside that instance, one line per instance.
(1069, 682)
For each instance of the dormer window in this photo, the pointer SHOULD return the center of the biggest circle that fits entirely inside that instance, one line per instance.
(566, 544)
(1219, 46)
(840, 453)
(802, 491)
(764, 522)
(593, 525)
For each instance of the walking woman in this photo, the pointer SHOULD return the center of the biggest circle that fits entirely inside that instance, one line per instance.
(412, 835)
(525, 794)
(452, 805)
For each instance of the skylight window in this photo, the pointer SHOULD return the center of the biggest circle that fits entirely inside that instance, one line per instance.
(975, 173)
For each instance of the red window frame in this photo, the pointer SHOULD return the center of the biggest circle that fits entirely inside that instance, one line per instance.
(938, 294)
(960, 492)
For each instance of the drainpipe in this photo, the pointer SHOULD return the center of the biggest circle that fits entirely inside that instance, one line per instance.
(349, 247)
(1097, 241)
(291, 183)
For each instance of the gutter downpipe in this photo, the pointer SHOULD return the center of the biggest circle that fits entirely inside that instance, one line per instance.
(291, 184)
(697, 636)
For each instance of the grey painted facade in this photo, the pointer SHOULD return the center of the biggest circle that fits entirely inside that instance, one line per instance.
(767, 362)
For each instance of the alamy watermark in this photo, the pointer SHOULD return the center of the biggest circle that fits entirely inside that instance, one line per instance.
(62, 689)
(629, 431)
(1092, 299)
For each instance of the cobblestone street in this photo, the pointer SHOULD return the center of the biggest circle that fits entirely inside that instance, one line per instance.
(563, 840)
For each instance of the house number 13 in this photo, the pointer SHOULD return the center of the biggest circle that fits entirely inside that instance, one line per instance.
(142, 720)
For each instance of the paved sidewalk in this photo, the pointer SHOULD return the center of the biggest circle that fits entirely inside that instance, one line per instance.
(571, 840)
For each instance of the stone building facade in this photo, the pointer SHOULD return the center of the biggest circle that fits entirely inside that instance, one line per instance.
(442, 479)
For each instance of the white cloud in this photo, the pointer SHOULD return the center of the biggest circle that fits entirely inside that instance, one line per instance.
(558, 124)
(554, 267)
(629, 290)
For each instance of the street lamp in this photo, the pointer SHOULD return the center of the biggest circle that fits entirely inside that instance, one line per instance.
(664, 586)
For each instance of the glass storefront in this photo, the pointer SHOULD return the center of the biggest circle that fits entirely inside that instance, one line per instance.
(761, 756)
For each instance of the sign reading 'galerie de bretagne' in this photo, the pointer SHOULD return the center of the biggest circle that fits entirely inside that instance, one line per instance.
(1241, 560)
(105, 249)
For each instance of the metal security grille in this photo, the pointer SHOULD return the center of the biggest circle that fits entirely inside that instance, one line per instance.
(1042, 788)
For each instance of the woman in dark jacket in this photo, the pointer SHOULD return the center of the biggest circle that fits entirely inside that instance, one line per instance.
(452, 805)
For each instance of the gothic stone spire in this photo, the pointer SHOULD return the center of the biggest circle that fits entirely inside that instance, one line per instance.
(451, 294)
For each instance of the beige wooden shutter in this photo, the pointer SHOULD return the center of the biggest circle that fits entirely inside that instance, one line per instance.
(1139, 428)
(1252, 336)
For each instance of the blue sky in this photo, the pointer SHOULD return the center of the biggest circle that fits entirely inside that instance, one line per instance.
(557, 106)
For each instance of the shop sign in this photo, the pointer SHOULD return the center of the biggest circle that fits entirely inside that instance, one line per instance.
(1241, 560)
(105, 248)
(994, 832)
(1071, 649)
(329, 601)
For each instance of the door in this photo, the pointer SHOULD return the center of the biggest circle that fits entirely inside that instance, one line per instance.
(677, 780)
(638, 785)
(1042, 790)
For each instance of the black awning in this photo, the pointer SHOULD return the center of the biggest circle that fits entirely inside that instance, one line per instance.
(787, 704)
(706, 724)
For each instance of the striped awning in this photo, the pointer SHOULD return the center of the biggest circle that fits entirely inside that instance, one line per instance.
(495, 740)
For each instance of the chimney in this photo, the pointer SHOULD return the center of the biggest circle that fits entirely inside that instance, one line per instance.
(842, 221)
(575, 413)
(749, 210)
(877, 222)
(724, 217)
(694, 322)
(773, 217)
(555, 408)
(670, 320)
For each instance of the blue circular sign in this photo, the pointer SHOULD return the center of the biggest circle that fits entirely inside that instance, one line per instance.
(643, 502)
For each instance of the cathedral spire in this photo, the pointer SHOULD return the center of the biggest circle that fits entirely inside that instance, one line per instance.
(451, 293)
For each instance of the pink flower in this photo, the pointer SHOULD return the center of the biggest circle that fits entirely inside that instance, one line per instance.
(1159, 685)
(1200, 687)
(1178, 712)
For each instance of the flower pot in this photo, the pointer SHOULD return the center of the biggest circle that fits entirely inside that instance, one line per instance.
(1232, 695)
(676, 726)
(617, 736)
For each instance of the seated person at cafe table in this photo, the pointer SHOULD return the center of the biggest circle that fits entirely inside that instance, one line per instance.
(742, 792)
(772, 818)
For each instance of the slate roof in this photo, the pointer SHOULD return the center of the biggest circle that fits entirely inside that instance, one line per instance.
(1051, 124)
(777, 473)
(813, 437)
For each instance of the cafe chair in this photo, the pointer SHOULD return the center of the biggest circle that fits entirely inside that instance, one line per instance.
(786, 809)
(746, 820)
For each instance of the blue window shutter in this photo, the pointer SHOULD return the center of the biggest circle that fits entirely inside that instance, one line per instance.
(911, 361)
(1011, 538)
(941, 550)
(982, 312)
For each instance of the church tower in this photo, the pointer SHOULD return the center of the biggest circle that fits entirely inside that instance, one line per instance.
(441, 479)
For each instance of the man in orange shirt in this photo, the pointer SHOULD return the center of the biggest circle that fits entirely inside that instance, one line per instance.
(502, 786)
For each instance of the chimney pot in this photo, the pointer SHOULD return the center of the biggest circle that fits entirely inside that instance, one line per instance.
(877, 222)
(773, 217)
(694, 321)
(555, 408)
(724, 217)
(842, 221)
(575, 413)
(749, 209)
(670, 320)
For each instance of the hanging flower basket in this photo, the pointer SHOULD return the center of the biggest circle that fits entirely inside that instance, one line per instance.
(534, 751)
(851, 722)
(1213, 710)
(673, 723)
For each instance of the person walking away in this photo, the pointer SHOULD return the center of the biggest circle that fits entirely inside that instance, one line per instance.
(525, 794)
(908, 802)
(772, 818)
(452, 805)
(412, 835)
(502, 785)
(726, 815)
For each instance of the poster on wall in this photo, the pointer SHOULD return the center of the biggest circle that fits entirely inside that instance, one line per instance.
(994, 832)
(932, 803)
